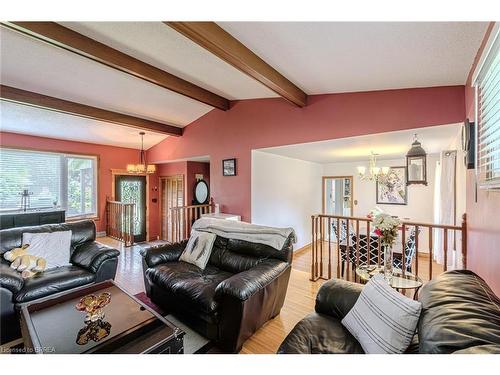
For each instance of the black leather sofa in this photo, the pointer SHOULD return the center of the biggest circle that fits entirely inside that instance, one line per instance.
(460, 314)
(242, 287)
(91, 262)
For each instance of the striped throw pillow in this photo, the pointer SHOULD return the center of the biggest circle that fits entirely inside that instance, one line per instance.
(382, 319)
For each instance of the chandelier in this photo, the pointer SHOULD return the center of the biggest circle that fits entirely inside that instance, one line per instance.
(143, 167)
(374, 172)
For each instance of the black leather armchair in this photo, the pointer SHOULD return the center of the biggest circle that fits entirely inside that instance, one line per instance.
(91, 262)
(459, 315)
(242, 287)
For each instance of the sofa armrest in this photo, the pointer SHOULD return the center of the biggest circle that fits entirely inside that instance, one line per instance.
(10, 279)
(336, 297)
(91, 255)
(170, 252)
(244, 284)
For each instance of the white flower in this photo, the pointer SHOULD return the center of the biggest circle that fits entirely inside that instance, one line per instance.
(385, 221)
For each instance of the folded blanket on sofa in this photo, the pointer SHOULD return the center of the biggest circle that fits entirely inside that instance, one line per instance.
(239, 230)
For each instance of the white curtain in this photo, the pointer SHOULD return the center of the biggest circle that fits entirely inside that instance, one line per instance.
(444, 210)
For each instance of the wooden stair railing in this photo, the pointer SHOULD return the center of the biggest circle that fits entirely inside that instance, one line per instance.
(120, 221)
(183, 219)
(322, 245)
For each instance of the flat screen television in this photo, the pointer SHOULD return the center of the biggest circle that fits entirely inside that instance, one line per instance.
(468, 143)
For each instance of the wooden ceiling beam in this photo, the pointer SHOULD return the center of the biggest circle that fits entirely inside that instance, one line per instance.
(216, 40)
(60, 36)
(15, 95)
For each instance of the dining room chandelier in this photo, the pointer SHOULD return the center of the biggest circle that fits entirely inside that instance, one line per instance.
(373, 172)
(143, 167)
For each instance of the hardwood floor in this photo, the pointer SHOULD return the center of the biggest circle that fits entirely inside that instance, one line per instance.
(299, 301)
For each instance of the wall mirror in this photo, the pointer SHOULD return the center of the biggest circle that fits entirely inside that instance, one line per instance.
(201, 192)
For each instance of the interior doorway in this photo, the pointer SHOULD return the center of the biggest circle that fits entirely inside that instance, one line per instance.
(338, 195)
(132, 189)
(172, 192)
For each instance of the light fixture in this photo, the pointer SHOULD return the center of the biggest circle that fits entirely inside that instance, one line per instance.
(143, 167)
(374, 172)
(416, 164)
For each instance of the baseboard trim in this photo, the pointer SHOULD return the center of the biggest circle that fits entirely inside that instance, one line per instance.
(101, 234)
(302, 249)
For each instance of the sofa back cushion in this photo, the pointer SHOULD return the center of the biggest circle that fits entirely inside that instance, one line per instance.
(82, 231)
(237, 255)
(459, 311)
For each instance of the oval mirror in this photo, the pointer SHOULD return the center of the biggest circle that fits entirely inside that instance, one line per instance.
(201, 192)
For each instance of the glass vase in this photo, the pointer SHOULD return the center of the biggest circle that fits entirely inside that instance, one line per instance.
(388, 263)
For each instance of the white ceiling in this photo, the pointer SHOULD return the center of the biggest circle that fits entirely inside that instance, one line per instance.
(390, 145)
(332, 57)
(23, 119)
(318, 57)
(159, 45)
(32, 65)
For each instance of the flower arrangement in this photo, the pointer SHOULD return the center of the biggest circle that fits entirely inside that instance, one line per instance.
(386, 227)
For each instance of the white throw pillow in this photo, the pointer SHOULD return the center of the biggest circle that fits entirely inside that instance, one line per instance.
(382, 319)
(198, 249)
(54, 247)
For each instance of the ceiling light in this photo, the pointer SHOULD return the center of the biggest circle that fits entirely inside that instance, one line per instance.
(143, 167)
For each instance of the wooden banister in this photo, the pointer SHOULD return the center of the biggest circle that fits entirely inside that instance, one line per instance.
(183, 218)
(322, 232)
(120, 221)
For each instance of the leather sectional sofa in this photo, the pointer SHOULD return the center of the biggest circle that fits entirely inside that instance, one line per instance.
(91, 262)
(242, 287)
(460, 314)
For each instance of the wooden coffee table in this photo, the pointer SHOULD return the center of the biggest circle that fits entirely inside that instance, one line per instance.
(54, 325)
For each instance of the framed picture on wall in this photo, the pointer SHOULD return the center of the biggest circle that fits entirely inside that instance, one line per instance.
(391, 188)
(229, 167)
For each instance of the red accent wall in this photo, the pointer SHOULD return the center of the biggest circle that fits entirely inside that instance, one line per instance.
(186, 168)
(482, 213)
(252, 124)
(110, 157)
(192, 169)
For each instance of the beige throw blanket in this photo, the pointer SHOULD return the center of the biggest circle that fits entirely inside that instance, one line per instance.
(239, 230)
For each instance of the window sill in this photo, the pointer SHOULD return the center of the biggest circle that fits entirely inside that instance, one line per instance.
(82, 217)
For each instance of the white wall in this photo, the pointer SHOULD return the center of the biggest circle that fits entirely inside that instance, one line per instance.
(285, 193)
(420, 207)
(420, 197)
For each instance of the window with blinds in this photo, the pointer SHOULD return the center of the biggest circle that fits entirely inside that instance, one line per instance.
(487, 86)
(52, 179)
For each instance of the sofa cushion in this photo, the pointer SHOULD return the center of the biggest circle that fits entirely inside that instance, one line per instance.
(320, 334)
(237, 255)
(459, 311)
(54, 247)
(81, 232)
(53, 281)
(91, 255)
(9, 278)
(189, 284)
(382, 319)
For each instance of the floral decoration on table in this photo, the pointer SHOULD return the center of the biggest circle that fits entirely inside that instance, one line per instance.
(386, 228)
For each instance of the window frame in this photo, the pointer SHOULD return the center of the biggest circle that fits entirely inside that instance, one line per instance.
(64, 178)
(493, 41)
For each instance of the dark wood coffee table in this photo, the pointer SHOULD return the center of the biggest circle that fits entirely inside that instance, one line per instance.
(54, 325)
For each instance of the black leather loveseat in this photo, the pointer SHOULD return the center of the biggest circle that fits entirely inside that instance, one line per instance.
(460, 314)
(242, 287)
(91, 262)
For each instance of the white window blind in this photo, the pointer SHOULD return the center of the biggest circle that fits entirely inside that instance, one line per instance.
(53, 179)
(487, 86)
